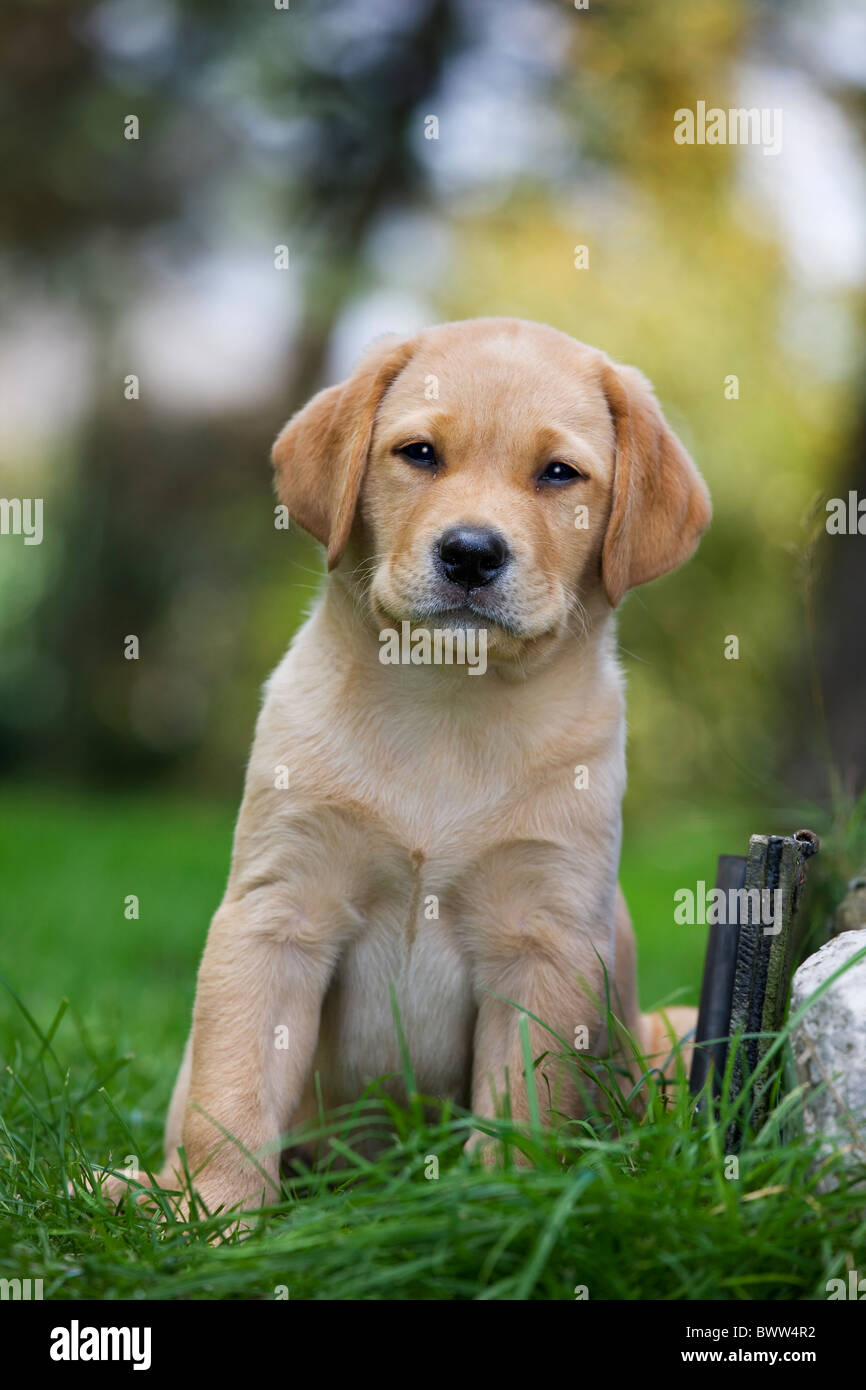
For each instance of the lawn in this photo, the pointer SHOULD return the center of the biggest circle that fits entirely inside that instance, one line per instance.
(632, 1204)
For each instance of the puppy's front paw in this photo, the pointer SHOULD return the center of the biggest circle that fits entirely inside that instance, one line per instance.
(211, 1195)
(485, 1149)
(112, 1186)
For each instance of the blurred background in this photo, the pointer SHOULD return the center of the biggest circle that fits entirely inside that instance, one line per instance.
(418, 160)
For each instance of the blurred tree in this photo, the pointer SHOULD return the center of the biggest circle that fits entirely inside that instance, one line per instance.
(260, 127)
(159, 507)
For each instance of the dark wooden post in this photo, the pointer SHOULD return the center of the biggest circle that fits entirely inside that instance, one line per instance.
(717, 987)
(747, 972)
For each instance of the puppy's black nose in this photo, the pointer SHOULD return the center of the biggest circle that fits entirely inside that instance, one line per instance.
(472, 555)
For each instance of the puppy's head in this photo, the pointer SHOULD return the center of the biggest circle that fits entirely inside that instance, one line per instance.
(492, 473)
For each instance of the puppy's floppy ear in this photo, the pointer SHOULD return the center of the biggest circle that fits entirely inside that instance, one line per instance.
(321, 454)
(660, 501)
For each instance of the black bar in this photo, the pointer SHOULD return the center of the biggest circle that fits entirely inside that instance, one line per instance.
(714, 1013)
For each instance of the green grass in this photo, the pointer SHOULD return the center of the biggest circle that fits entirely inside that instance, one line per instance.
(633, 1202)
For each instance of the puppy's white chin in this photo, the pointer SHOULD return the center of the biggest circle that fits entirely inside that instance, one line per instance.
(459, 619)
(508, 641)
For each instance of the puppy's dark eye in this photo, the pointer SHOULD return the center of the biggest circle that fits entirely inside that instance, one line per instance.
(558, 472)
(420, 453)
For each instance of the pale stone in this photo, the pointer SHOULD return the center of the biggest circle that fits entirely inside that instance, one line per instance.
(829, 1044)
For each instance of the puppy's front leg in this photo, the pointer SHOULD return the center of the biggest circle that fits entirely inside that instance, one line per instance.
(541, 976)
(540, 934)
(261, 984)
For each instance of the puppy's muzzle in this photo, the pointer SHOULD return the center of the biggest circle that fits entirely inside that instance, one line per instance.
(472, 556)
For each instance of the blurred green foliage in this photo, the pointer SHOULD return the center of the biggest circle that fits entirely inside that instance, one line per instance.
(306, 128)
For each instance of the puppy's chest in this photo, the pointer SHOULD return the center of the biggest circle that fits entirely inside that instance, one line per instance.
(431, 851)
(429, 797)
(442, 814)
(443, 800)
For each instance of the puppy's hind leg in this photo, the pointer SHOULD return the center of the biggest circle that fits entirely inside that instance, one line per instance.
(665, 1033)
(658, 1034)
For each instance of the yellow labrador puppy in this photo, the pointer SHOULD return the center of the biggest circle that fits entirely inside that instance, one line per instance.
(433, 796)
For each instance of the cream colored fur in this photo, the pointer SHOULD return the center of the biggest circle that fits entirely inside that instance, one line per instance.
(432, 836)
